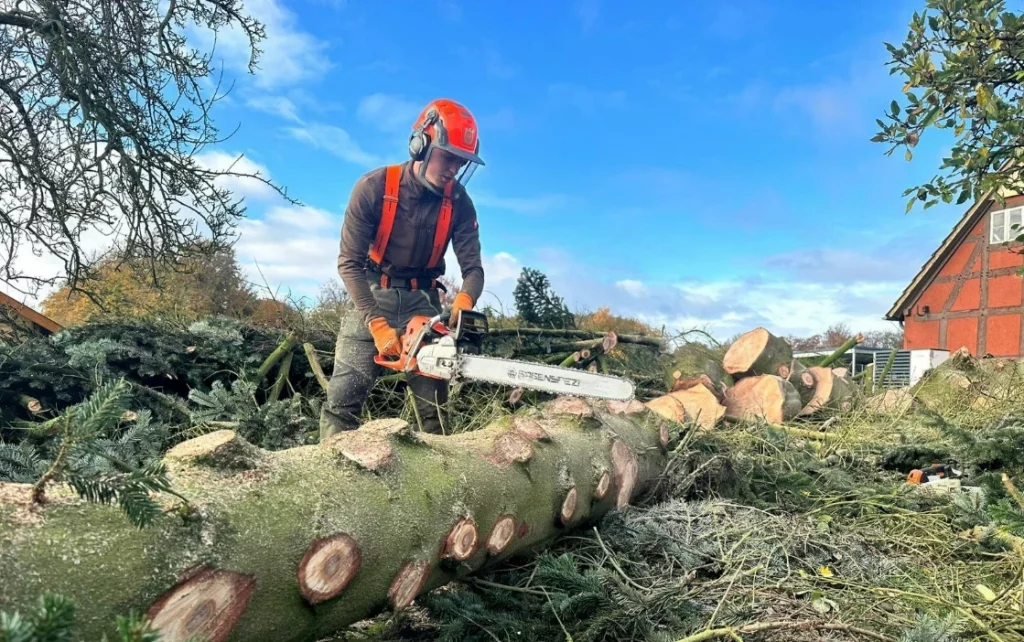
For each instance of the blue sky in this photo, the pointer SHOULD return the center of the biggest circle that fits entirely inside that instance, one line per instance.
(697, 164)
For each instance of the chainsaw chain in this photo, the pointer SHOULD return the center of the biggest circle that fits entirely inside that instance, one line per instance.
(520, 363)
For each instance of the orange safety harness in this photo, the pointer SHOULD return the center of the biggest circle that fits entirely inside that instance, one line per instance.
(387, 222)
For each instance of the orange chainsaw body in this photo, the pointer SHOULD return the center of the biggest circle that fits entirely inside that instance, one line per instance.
(417, 331)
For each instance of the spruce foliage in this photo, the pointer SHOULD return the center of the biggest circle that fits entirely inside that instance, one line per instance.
(98, 451)
(53, 621)
(537, 304)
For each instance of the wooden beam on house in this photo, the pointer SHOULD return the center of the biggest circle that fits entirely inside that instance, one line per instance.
(30, 315)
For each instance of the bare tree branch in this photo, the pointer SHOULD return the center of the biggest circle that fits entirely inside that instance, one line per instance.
(104, 108)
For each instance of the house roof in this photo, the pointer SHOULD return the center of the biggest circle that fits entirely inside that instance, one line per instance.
(941, 254)
(29, 314)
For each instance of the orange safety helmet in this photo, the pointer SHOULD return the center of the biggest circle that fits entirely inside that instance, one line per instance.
(445, 124)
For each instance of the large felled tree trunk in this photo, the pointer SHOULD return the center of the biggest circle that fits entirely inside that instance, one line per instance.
(296, 544)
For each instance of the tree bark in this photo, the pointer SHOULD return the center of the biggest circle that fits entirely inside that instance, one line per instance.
(295, 545)
(830, 391)
(314, 365)
(802, 379)
(697, 361)
(758, 352)
(891, 402)
(279, 352)
(762, 396)
(700, 380)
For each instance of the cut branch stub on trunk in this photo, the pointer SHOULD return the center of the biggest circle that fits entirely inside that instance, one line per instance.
(695, 361)
(462, 540)
(327, 567)
(569, 506)
(787, 370)
(331, 525)
(207, 602)
(30, 403)
(408, 584)
(626, 472)
(604, 482)
(757, 352)
(767, 397)
(501, 535)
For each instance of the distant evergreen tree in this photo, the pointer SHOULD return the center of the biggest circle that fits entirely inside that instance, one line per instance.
(537, 304)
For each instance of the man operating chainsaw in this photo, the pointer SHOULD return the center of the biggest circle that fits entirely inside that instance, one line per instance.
(397, 227)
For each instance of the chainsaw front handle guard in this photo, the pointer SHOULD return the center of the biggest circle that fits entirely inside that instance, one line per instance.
(401, 364)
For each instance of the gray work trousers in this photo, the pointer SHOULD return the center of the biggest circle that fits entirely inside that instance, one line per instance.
(355, 370)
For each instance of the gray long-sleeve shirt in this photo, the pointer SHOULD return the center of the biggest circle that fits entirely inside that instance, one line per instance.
(412, 236)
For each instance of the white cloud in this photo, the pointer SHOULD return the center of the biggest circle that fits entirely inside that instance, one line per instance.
(632, 286)
(276, 105)
(828, 104)
(42, 265)
(522, 205)
(588, 12)
(98, 238)
(388, 113)
(723, 307)
(450, 10)
(337, 141)
(292, 248)
(502, 268)
(290, 56)
(240, 186)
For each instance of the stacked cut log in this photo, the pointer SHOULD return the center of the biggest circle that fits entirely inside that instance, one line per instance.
(697, 400)
(758, 378)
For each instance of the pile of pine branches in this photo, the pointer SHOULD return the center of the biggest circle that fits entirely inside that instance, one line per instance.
(752, 529)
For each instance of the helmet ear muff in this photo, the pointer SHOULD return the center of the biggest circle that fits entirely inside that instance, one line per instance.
(418, 143)
(419, 140)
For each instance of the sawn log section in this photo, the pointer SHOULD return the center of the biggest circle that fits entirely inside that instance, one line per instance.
(297, 544)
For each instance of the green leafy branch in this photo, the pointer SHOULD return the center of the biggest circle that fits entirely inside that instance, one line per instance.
(963, 61)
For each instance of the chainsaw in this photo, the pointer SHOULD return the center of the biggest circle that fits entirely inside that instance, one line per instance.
(431, 348)
(932, 473)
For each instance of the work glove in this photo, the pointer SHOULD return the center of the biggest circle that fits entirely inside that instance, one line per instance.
(462, 302)
(384, 337)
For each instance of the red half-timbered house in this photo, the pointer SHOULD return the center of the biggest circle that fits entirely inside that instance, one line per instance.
(968, 293)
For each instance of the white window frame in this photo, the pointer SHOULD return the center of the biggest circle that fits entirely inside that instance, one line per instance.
(1001, 225)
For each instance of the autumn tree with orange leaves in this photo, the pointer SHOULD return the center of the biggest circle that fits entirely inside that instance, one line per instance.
(207, 284)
